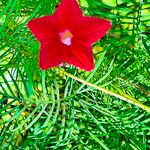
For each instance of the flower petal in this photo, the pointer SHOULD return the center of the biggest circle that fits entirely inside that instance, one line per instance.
(91, 29)
(80, 56)
(43, 28)
(68, 13)
(51, 54)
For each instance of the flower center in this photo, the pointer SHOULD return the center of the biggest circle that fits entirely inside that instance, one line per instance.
(65, 37)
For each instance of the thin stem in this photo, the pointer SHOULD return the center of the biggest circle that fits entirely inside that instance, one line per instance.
(43, 84)
(125, 97)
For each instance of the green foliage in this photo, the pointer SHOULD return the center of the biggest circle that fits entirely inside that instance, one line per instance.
(47, 110)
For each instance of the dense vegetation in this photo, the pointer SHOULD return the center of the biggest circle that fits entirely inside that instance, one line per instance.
(49, 109)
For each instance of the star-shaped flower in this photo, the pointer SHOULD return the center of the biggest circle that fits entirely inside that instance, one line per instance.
(67, 36)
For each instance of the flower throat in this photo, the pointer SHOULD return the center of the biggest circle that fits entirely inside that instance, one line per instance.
(66, 37)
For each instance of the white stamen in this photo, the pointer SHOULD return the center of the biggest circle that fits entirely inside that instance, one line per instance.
(67, 41)
(66, 37)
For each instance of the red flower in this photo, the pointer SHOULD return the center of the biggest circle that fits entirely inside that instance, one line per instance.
(67, 35)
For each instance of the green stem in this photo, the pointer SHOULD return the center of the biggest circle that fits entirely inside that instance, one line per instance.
(125, 97)
(43, 84)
